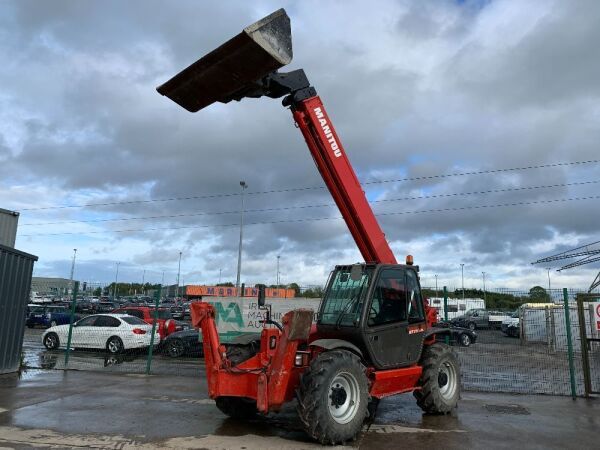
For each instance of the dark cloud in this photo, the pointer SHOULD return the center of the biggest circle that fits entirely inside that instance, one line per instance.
(415, 89)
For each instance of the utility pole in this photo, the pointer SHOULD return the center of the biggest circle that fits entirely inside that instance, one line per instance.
(462, 274)
(278, 256)
(436, 287)
(178, 273)
(143, 281)
(484, 296)
(72, 270)
(220, 270)
(116, 279)
(239, 266)
(548, 269)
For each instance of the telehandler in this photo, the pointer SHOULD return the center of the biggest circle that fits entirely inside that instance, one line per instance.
(375, 335)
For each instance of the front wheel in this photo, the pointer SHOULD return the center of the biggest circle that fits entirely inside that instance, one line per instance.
(472, 326)
(333, 397)
(175, 348)
(440, 380)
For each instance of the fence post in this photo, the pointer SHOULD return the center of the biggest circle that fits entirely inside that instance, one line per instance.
(157, 296)
(569, 343)
(447, 339)
(72, 316)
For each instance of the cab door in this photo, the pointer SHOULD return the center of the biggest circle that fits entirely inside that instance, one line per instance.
(395, 322)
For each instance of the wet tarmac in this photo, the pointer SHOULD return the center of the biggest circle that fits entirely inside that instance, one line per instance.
(69, 409)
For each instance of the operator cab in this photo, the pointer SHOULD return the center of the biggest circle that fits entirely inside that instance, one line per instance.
(377, 308)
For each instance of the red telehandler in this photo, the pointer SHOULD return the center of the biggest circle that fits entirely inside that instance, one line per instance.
(375, 334)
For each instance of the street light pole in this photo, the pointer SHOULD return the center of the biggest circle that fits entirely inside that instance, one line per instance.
(143, 281)
(239, 266)
(72, 270)
(462, 274)
(116, 279)
(178, 273)
(484, 296)
(278, 256)
(220, 270)
(548, 269)
(436, 287)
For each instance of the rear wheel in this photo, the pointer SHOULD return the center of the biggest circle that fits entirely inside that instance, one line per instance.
(175, 348)
(465, 340)
(114, 345)
(333, 397)
(51, 341)
(237, 407)
(440, 380)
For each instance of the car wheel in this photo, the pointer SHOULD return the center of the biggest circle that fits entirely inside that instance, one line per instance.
(465, 340)
(53, 323)
(51, 341)
(472, 326)
(114, 345)
(175, 348)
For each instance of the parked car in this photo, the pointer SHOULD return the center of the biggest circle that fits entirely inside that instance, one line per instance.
(181, 343)
(164, 321)
(511, 326)
(177, 312)
(84, 307)
(104, 307)
(473, 319)
(113, 332)
(458, 335)
(48, 316)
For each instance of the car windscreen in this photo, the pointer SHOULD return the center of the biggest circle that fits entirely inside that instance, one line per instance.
(36, 309)
(133, 320)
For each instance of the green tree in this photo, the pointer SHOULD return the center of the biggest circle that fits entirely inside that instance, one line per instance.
(538, 294)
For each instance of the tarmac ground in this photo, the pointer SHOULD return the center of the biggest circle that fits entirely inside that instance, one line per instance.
(72, 409)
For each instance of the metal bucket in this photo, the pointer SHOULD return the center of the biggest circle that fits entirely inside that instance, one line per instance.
(231, 71)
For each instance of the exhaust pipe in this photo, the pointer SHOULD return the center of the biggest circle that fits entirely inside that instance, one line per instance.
(234, 70)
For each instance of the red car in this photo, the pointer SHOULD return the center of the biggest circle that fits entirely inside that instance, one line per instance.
(164, 322)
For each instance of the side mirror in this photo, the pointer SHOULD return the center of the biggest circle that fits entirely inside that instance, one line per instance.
(261, 295)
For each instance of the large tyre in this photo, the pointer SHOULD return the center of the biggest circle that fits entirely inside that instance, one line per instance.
(237, 407)
(440, 380)
(114, 345)
(333, 397)
(51, 341)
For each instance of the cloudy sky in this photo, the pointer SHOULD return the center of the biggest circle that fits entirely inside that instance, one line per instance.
(430, 98)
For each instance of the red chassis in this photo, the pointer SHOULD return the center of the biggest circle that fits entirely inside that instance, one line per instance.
(271, 376)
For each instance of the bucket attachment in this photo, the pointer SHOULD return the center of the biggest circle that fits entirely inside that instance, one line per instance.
(233, 70)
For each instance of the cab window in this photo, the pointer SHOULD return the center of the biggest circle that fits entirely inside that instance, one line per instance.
(415, 304)
(389, 298)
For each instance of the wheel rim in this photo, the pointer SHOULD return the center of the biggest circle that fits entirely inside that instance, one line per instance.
(50, 341)
(471, 326)
(344, 397)
(113, 346)
(175, 348)
(447, 380)
(466, 340)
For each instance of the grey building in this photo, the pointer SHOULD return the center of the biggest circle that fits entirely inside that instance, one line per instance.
(50, 286)
(8, 227)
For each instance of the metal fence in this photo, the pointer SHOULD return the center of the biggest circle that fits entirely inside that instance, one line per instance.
(531, 358)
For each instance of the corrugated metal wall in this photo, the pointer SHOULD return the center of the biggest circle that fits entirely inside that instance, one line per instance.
(8, 227)
(15, 282)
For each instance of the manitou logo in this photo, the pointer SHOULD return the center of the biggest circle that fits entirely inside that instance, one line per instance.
(328, 134)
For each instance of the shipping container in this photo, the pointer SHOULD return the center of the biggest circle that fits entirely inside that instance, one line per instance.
(16, 268)
(8, 227)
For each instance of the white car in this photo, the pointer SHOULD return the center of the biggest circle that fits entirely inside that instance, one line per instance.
(113, 332)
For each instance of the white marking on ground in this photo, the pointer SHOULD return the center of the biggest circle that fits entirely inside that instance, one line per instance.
(191, 401)
(384, 429)
(53, 439)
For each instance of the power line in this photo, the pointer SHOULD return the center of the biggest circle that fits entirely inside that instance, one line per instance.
(274, 191)
(287, 208)
(462, 208)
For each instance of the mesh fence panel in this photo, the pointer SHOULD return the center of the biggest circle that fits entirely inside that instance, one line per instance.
(529, 357)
